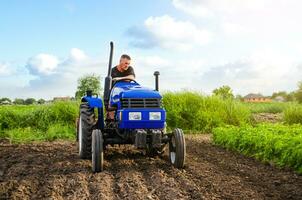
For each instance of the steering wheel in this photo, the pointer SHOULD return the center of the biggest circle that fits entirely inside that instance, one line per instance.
(124, 79)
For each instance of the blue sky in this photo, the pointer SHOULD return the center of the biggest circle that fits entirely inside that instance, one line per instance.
(251, 45)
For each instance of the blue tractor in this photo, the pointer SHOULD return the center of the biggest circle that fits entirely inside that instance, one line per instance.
(139, 119)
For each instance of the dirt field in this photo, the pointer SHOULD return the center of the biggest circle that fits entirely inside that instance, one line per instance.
(54, 171)
(267, 117)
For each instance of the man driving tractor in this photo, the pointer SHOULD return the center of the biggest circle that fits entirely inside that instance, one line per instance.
(123, 70)
(135, 115)
(119, 72)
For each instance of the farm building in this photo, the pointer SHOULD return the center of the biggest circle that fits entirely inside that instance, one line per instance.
(256, 98)
(279, 99)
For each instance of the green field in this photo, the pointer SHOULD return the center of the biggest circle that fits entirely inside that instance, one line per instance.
(273, 143)
(38, 122)
(229, 120)
(267, 107)
(190, 111)
(193, 111)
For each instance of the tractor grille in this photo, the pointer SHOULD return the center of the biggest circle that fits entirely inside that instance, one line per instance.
(140, 103)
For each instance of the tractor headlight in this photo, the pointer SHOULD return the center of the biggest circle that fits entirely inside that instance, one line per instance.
(135, 116)
(154, 115)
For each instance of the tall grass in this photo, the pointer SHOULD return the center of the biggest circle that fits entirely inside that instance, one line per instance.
(190, 111)
(267, 107)
(293, 114)
(193, 111)
(38, 122)
(275, 143)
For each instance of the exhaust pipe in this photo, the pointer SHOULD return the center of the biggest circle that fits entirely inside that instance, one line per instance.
(108, 79)
(156, 74)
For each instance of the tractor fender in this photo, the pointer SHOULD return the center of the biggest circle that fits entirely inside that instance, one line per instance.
(93, 102)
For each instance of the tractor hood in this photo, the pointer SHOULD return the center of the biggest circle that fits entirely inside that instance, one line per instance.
(123, 90)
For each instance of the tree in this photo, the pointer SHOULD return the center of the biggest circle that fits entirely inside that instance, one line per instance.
(224, 91)
(239, 97)
(19, 101)
(5, 100)
(281, 94)
(291, 96)
(298, 93)
(41, 101)
(29, 101)
(88, 82)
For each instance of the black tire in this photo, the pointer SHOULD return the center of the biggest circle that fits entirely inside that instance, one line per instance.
(97, 151)
(77, 129)
(177, 148)
(86, 125)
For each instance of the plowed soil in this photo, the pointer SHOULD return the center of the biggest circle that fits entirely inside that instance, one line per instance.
(53, 170)
(267, 117)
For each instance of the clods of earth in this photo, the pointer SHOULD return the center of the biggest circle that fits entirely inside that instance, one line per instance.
(53, 170)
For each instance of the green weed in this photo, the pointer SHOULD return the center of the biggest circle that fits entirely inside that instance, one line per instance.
(293, 114)
(193, 111)
(268, 142)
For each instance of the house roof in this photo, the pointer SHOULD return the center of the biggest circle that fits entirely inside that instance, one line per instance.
(254, 96)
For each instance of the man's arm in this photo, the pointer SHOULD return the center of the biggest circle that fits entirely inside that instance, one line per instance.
(124, 77)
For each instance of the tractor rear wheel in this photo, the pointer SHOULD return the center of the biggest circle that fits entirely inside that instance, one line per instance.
(86, 125)
(177, 148)
(97, 151)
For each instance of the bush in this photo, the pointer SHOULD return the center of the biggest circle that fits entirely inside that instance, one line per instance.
(38, 116)
(38, 122)
(193, 111)
(293, 114)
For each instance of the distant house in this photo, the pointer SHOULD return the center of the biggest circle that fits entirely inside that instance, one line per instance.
(256, 98)
(61, 98)
(279, 99)
(6, 102)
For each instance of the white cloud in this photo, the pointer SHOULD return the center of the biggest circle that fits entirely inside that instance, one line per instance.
(169, 33)
(4, 69)
(42, 64)
(234, 29)
(210, 8)
(262, 18)
(145, 66)
(47, 76)
(265, 71)
(193, 7)
(77, 55)
(175, 73)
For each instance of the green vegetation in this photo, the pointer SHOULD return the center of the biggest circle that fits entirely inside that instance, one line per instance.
(38, 122)
(190, 111)
(279, 144)
(29, 101)
(5, 100)
(286, 96)
(267, 107)
(18, 101)
(88, 82)
(193, 111)
(298, 93)
(224, 92)
(293, 114)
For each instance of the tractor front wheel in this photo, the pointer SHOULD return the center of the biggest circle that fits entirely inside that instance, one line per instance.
(177, 148)
(97, 151)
